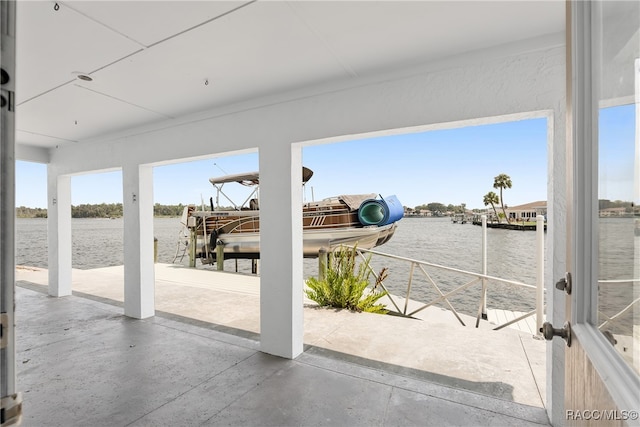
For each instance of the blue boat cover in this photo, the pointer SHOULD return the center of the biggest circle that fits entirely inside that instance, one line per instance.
(385, 211)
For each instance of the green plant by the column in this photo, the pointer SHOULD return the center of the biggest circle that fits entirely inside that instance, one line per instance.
(343, 287)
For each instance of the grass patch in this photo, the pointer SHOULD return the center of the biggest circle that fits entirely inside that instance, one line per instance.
(345, 284)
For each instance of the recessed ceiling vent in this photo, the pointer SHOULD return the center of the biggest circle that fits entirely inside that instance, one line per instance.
(85, 77)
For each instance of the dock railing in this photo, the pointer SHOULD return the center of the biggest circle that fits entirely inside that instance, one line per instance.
(474, 279)
(616, 317)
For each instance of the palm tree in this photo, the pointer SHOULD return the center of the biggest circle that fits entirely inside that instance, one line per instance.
(491, 198)
(502, 181)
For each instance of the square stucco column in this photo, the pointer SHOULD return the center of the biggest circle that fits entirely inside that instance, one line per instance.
(281, 279)
(59, 233)
(139, 274)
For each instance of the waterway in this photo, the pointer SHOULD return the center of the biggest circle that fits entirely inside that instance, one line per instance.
(99, 243)
(511, 255)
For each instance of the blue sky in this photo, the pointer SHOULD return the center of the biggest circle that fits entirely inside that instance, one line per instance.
(616, 165)
(448, 166)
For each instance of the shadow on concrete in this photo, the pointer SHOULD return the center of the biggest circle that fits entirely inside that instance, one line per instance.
(499, 390)
(496, 389)
(182, 319)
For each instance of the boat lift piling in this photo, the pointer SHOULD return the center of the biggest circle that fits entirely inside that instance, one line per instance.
(219, 255)
(155, 250)
(322, 263)
(191, 224)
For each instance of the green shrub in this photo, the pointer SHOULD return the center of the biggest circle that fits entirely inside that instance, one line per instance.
(342, 287)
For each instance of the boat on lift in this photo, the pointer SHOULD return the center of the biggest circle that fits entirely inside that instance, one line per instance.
(363, 219)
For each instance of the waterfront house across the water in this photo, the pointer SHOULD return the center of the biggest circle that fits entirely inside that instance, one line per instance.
(528, 211)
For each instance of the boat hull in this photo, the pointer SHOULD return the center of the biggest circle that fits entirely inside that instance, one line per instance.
(247, 245)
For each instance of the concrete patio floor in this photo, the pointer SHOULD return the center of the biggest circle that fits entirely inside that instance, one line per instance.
(197, 362)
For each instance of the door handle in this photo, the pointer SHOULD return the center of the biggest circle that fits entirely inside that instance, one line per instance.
(548, 331)
(564, 284)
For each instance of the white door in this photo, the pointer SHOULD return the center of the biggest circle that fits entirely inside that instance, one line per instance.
(602, 363)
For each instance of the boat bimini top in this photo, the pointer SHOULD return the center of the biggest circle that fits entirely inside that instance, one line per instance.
(251, 179)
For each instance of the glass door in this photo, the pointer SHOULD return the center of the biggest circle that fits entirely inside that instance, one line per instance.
(602, 375)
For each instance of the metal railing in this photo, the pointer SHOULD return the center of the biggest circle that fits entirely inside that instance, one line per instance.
(616, 317)
(480, 279)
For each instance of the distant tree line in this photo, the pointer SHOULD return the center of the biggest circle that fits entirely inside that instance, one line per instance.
(103, 210)
(24, 212)
(114, 210)
(168, 210)
(441, 209)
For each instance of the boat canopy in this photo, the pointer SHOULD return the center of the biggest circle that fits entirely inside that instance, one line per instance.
(253, 178)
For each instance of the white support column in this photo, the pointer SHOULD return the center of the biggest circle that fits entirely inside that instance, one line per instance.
(139, 274)
(59, 232)
(281, 279)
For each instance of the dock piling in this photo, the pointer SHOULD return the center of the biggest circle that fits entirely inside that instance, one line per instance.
(219, 255)
(155, 250)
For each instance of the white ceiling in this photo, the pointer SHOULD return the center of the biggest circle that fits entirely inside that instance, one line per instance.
(157, 61)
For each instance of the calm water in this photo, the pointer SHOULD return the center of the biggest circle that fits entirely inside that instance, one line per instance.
(511, 255)
(619, 261)
(99, 243)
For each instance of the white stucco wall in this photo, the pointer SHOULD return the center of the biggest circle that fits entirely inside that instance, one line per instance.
(516, 79)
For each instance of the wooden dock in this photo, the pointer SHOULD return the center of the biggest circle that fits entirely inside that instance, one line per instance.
(514, 226)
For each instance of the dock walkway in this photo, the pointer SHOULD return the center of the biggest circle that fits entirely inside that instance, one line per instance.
(505, 364)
